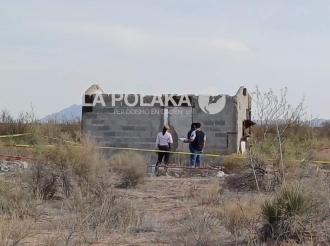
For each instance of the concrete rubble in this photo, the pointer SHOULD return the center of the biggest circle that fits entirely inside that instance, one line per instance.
(10, 166)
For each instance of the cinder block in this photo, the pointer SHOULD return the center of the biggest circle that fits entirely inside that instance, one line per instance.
(127, 128)
(103, 128)
(109, 134)
(220, 122)
(133, 128)
(97, 122)
(150, 139)
(89, 116)
(207, 129)
(91, 128)
(123, 134)
(220, 134)
(208, 123)
(136, 121)
(130, 140)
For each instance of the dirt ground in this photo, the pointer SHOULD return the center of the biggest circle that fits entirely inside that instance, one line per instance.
(167, 201)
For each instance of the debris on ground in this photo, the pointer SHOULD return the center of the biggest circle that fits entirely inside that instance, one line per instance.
(221, 174)
(9, 166)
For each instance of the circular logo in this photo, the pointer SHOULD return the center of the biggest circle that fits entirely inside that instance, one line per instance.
(211, 104)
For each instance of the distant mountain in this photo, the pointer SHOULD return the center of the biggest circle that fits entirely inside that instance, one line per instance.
(318, 122)
(69, 113)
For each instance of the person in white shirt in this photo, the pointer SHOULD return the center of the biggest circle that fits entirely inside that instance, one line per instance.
(163, 142)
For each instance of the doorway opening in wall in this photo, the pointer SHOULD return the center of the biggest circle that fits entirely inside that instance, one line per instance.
(246, 134)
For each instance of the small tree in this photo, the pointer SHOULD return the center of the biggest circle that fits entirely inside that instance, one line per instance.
(275, 115)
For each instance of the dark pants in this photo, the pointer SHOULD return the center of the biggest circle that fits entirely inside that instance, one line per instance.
(161, 155)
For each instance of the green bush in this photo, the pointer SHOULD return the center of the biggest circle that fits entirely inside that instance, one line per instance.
(290, 214)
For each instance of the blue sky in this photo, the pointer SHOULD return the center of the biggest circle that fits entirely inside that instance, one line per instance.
(52, 51)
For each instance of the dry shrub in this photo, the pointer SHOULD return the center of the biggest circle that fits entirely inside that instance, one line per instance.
(128, 218)
(90, 219)
(5, 188)
(87, 162)
(256, 175)
(24, 123)
(66, 129)
(196, 229)
(13, 232)
(16, 204)
(96, 215)
(131, 166)
(57, 176)
(238, 216)
(191, 191)
(46, 182)
(211, 195)
(51, 240)
(323, 155)
(232, 163)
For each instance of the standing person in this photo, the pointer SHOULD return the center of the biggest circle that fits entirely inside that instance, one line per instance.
(163, 142)
(198, 141)
(192, 128)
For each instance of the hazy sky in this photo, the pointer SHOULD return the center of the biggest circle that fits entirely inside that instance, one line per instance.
(52, 51)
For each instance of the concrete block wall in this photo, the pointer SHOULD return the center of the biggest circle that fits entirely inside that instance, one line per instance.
(120, 125)
(220, 128)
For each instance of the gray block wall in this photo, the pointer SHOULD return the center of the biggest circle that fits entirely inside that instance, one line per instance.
(122, 126)
(220, 128)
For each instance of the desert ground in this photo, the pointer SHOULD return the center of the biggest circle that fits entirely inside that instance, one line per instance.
(70, 193)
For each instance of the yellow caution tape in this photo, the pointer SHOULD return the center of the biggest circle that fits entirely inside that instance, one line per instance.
(133, 149)
(164, 151)
(151, 150)
(155, 150)
(14, 135)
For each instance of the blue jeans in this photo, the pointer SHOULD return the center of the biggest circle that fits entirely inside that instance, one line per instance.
(195, 159)
(191, 157)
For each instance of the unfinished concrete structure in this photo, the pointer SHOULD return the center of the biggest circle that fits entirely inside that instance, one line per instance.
(118, 124)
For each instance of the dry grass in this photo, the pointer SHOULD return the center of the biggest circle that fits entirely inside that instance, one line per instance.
(68, 198)
(131, 166)
(211, 195)
(232, 164)
(239, 216)
(13, 232)
(197, 228)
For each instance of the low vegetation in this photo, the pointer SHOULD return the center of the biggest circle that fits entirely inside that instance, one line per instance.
(131, 167)
(73, 194)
